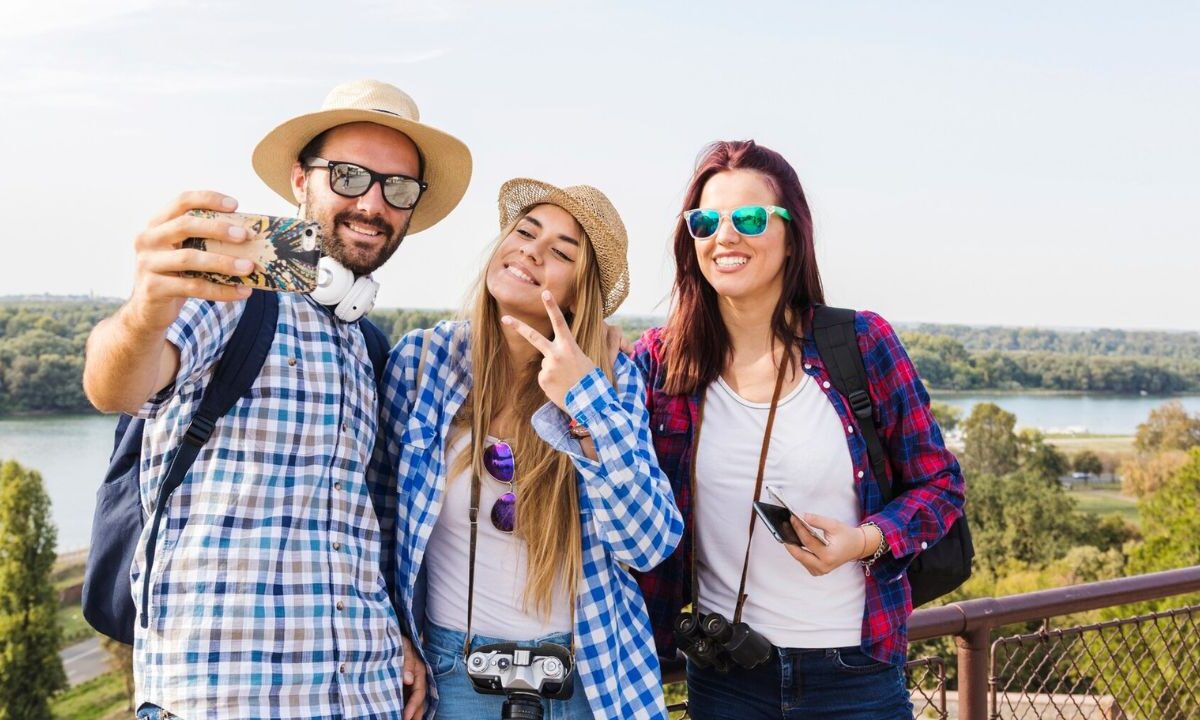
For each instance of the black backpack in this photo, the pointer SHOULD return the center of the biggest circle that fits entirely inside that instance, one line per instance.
(118, 520)
(942, 567)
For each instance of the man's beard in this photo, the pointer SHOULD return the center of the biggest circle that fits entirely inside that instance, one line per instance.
(353, 260)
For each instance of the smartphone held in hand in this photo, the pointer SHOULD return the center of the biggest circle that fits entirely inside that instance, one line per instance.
(285, 251)
(778, 521)
(777, 493)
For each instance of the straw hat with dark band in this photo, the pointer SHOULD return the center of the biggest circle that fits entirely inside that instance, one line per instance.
(594, 213)
(447, 159)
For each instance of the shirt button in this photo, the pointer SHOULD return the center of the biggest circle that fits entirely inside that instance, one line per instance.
(337, 546)
(860, 473)
(344, 427)
(342, 668)
(850, 429)
(825, 384)
(341, 605)
(808, 366)
(924, 546)
(337, 486)
(291, 362)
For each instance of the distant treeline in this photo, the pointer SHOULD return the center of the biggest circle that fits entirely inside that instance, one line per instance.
(41, 353)
(42, 341)
(1122, 343)
(944, 363)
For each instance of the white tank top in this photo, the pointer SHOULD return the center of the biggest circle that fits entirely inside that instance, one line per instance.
(809, 459)
(500, 565)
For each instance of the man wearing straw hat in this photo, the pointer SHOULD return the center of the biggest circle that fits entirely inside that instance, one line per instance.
(266, 598)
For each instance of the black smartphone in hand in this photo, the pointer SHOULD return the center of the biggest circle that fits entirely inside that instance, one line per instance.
(778, 521)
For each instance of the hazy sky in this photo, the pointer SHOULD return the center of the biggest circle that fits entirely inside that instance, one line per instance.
(1020, 163)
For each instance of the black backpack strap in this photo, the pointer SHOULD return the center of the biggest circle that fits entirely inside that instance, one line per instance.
(837, 344)
(236, 372)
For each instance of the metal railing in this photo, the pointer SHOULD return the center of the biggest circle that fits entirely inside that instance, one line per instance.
(1145, 667)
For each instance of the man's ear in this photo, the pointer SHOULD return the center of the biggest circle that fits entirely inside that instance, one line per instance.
(299, 183)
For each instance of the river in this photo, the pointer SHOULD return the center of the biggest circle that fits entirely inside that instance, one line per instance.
(71, 452)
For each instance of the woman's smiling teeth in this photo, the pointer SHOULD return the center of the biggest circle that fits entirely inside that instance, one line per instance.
(731, 260)
(519, 274)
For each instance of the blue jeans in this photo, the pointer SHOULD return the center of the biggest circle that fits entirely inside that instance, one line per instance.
(832, 683)
(457, 699)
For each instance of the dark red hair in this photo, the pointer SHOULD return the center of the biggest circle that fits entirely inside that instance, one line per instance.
(697, 342)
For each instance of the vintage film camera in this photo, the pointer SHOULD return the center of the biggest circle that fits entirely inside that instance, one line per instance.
(524, 674)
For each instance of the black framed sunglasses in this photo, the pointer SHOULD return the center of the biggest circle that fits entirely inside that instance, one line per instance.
(350, 180)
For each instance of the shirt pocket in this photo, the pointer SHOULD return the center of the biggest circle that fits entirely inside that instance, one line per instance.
(417, 435)
(672, 434)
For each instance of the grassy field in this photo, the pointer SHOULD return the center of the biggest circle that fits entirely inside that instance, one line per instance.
(74, 627)
(1104, 502)
(1071, 444)
(101, 698)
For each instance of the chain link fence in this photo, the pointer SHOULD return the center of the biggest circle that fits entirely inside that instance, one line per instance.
(1139, 668)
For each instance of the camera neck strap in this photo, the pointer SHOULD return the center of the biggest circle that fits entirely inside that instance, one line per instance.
(758, 482)
(474, 517)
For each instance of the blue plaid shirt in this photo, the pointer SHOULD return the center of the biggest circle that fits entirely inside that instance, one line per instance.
(267, 599)
(629, 517)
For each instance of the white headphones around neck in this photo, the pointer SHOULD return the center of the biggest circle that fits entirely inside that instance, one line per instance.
(349, 297)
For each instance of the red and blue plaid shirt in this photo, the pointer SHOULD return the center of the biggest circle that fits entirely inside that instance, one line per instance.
(929, 482)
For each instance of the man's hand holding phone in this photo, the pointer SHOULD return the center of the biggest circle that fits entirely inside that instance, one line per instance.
(160, 287)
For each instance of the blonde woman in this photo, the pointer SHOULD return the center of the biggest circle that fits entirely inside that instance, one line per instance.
(520, 413)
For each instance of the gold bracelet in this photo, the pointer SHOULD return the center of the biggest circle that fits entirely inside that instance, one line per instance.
(879, 551)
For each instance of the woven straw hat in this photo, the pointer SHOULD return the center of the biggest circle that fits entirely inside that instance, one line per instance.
(447, 159)
(593, 210)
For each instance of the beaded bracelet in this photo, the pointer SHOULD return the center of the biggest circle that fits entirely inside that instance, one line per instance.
(879, 551)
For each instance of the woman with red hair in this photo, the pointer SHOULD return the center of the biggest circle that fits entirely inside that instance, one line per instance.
(814, 627)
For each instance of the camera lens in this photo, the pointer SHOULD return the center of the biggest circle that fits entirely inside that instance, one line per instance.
(520, 706)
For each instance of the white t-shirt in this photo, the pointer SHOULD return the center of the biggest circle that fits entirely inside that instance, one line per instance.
(808, 458)
(500, 565)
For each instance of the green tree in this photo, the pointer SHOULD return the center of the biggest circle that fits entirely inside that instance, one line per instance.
(1171, 522)
(1144, 473)
(1169, 427)
(990, 446)
(30, 669)
(947, 415)
(1039, 458)
(1020, 517)
(1086, 461)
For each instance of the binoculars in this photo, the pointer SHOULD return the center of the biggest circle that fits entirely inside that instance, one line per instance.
(712, 641)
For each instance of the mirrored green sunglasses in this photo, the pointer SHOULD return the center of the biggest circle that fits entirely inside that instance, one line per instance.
(747, 220)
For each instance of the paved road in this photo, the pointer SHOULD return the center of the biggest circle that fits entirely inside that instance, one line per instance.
(84, 661)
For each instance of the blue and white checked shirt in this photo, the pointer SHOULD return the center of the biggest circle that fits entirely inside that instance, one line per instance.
(266, 599)
(629, 516)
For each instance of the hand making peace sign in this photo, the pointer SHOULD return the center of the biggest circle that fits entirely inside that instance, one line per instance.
(563, 362)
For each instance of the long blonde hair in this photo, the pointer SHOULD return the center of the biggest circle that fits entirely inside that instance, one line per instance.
(544, 482)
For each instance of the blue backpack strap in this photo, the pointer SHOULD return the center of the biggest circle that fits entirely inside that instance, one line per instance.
(236, 372)
(378, 347)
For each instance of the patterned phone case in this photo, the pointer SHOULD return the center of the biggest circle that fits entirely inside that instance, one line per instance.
(285, 251)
